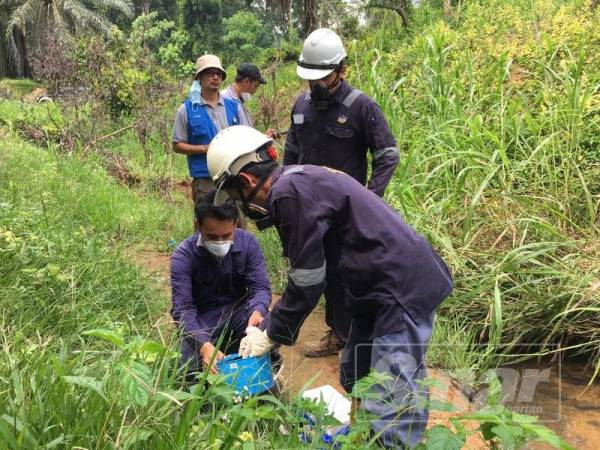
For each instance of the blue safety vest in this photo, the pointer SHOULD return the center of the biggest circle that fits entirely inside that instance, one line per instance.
(202, 130)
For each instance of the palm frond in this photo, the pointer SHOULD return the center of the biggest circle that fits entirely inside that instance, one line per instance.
(59, 25)
(10, 3)
(18, 19)
(82, 17)
(124, 6)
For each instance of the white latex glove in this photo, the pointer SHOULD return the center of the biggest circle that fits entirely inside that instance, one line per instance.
(256, 343)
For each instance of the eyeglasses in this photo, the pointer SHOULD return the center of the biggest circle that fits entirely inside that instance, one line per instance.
(212, 73)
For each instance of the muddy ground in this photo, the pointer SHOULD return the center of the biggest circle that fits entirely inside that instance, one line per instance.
(562, 403)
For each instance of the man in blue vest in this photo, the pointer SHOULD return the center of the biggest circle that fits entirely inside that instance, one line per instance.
(200, 118)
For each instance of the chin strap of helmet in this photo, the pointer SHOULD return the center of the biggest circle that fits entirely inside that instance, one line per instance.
(252, 210)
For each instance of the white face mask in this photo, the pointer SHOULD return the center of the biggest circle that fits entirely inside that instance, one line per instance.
(246, 96)
(218, 248)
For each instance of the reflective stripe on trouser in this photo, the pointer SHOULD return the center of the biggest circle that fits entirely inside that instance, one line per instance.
(396, 405)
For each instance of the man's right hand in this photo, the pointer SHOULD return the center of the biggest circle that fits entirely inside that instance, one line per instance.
(206, 353)
(274, 134)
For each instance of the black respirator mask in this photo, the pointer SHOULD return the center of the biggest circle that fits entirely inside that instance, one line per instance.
(320, 93)
(254, 212)
(251, 210)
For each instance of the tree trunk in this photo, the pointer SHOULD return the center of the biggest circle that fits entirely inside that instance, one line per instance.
(310, 16)
(21, 66)
(447, 8)
(3, 59)
(594, 4)
(399, 9)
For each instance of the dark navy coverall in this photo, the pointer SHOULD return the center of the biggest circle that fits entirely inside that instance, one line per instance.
(212, 296)
(329, 222)
(339, 137)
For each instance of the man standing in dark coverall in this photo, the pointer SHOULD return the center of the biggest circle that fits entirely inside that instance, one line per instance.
(327, 221)
(334, 125)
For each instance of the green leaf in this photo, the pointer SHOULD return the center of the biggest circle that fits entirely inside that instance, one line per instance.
(442, 438)
(56, 442)
(134, 436)
(137, 381)
(548, 436)
(7, 436)
(86, 382)
(509, 435)
(494, 392)
(265, 412)
(108, 335)
(486, 430)
(439, 405)
(174, 396)
(146, 346)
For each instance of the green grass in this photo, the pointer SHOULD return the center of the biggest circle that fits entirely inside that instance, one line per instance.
(497, 115)
(83, 361)
(500, 165)
(16, 89)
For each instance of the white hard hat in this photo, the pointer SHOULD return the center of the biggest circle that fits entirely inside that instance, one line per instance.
(232, 149)
(321, 54)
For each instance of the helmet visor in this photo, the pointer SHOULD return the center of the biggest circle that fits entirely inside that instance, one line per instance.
(312, 74)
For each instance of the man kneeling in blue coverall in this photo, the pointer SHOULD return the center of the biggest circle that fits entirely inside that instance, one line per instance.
(394, 279)
(219, 285)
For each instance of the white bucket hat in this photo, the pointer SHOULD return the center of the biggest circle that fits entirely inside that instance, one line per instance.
(209, 62)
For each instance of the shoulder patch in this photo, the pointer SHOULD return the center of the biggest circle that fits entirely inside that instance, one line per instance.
(298, 119)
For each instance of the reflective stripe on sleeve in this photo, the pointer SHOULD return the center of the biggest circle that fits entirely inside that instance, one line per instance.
(307, 277)
(353, 95)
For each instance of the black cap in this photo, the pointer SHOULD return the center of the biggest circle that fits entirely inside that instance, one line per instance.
(248, 70)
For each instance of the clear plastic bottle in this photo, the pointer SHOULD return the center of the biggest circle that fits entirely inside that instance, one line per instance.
(195, 92)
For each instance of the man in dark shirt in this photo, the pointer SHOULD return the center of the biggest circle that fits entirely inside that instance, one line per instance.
(219, 285)
(335, 125)
(327, 221)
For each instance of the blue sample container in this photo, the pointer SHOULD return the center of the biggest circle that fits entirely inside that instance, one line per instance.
(252, 375)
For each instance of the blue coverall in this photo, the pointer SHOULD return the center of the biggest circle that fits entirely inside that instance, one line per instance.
(395, 280)
(212, 296)
(339, 137)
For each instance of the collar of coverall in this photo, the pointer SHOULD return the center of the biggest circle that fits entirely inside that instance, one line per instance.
(340, 94)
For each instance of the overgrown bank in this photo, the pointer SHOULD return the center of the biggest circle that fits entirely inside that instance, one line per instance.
(497, 115)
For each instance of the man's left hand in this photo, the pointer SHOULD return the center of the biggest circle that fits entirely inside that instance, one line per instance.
(255, 319)
(256, 343)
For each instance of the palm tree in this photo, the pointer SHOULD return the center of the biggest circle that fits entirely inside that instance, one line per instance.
(26, 22)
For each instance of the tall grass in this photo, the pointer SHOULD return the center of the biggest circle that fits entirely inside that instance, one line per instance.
(85, 357)
(497, 122)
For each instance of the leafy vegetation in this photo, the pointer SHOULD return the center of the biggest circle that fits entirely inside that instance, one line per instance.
(496, 107)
